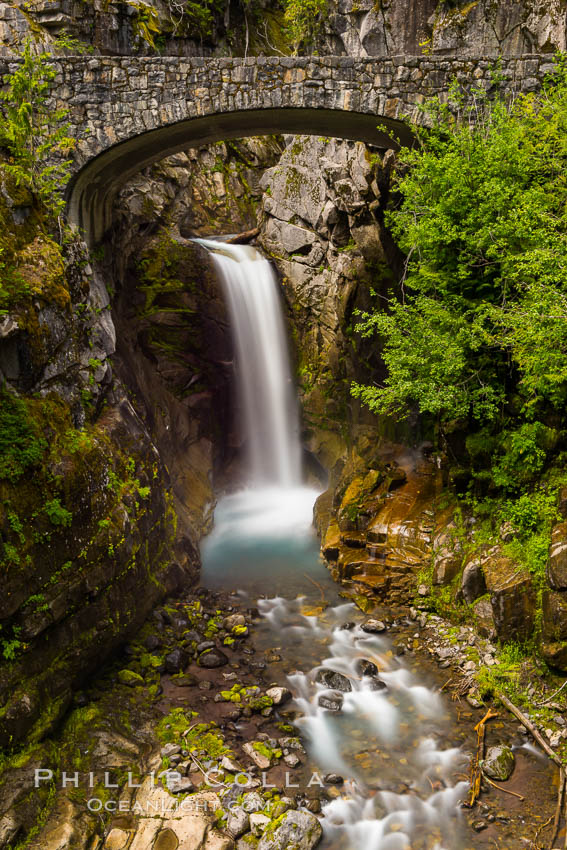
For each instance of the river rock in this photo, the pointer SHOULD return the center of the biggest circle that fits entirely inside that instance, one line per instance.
(258, 757)
(297, 830)
(258, 823)
(373, 626)
(179, 784)
(152, 642)
(238, 821)
(253, 802)
(366, 668)
(333, 680)
(278, 695)
(211, 658)
(332, 701)
(176, 660)
(128, 677)
(499, 763)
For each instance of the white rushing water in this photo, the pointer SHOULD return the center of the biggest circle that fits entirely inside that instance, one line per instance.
(401, 789)
(271, 421)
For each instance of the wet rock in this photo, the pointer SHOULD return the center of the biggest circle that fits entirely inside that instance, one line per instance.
(376, 684)
(128, 677)
(205, 644)
(366, 668)
(373, 626)
(331, 542)
(291, 743)
(176, 660)
(212, 658)
(331, 701)
(278, 695)
(300, 830)
(292, 760)
(238, 821)
(333, 779)
(333, 680)
(499, 763)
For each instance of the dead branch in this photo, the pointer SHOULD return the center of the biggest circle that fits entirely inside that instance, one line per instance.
(476, 774)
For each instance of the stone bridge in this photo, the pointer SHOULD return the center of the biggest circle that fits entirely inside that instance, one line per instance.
(128, 112)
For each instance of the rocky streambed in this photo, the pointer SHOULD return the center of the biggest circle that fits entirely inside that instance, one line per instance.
(208, 732)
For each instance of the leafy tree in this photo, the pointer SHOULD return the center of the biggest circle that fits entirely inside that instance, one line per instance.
(477, 330)
(35, 134)
(303, 20)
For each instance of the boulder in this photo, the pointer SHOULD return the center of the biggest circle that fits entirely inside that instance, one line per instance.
(332, 701)
(473, 583)
(238, 821)
(176, 660)
(484, 618)
(366, 668)
(333, 680)
(128, 677)
(499, 763)
(211, 658)
(373, 627)
(512, 597)
(297, 830)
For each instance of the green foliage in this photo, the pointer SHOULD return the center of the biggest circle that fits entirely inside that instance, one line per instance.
(477, 331)
(35, 134)
(57, 514)
(303, 20)
(21, 444)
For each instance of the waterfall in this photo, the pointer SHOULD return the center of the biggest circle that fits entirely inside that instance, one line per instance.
(271, 422)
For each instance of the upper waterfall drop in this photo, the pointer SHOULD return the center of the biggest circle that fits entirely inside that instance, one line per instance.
(271, 419)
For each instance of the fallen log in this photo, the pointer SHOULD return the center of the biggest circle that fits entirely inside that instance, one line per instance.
(243, 238)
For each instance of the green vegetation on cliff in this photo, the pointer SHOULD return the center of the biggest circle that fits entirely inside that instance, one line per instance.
(476, 338)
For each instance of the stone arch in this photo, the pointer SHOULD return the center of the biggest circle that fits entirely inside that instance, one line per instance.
(92, 190)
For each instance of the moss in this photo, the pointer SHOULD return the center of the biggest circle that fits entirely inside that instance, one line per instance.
(128, 677)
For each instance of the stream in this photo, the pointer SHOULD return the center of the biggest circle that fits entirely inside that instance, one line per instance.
(372, 727)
